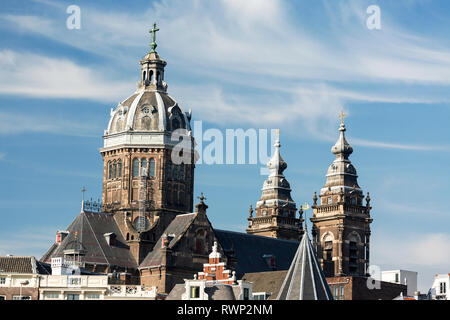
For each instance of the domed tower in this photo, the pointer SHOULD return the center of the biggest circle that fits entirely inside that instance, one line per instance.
(341, 230)
(144, 183)
(275, 211)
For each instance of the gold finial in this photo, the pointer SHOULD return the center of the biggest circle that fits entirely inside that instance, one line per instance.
(305, 206)
(342, 116)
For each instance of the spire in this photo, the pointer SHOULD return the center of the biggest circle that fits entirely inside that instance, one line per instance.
(305, 279)
(276, 164)
(341, 172)
(342, 149)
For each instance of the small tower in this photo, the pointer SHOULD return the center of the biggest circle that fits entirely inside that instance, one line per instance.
(275, 212)
(341, 230)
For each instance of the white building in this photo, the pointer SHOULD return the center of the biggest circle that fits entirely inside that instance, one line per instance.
(440, 287)
(402, 277)
(67, 283)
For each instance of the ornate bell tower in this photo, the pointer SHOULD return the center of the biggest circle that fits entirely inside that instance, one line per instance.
(341, 223)
(275, 211)
(144, 183)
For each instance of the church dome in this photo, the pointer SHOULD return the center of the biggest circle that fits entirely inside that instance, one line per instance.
(147, 110)
(149, 115)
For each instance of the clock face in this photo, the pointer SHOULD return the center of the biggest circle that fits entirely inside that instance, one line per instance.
(141, 223)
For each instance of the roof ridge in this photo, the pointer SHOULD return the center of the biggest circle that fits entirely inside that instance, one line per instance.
(257, 236)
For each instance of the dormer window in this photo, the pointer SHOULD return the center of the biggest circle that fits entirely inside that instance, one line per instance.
(110, 238)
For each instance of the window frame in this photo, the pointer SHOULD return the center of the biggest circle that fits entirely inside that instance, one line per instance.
(194, 292)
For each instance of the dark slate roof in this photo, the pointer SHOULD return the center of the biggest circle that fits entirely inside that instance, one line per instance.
(91, 228)
(305, 279)
(22, 264)
(249, 251)
(176, 228)
(269, 282)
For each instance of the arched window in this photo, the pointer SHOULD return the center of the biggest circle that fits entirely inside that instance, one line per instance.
(144, 164)
(152, 167)
(119, 168)
(109, 170)
(175, 172)
(169, 170)
(143, 75)
(158, 76)
(175, 124)
(128, 236)
(135, 167)
(181, 172)
(115, 170)
(151, 75)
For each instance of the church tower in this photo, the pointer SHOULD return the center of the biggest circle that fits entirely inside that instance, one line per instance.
(144, 184)
(341, 229)
(275, 211)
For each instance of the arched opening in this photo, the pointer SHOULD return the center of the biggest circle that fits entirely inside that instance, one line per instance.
(158, 76)
(328, 264)
(152, 165)
(151, 75)
(109, 170)
(115, 170)
(353, 257)
(128, 236)
(119, 168)
(182, 172)
(175, 124)
(135, 167)
(144, 75)
(144, 164)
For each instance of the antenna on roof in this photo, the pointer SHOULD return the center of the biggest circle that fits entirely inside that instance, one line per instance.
(83, 190)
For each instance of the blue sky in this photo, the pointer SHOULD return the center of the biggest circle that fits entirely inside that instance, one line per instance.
(253, 64)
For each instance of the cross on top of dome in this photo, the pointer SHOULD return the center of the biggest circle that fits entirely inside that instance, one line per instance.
(153, 30)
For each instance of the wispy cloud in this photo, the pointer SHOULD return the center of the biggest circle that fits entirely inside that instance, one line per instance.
(35, 75)
(265, 48)
(17, 123)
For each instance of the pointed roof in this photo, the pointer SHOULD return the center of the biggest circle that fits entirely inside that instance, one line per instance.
(86, 233)
(342, 148)
(276, 189)
(305, 279)
(341, 173)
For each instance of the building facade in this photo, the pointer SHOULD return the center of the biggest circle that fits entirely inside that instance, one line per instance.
(408, 278)
(440, 287)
